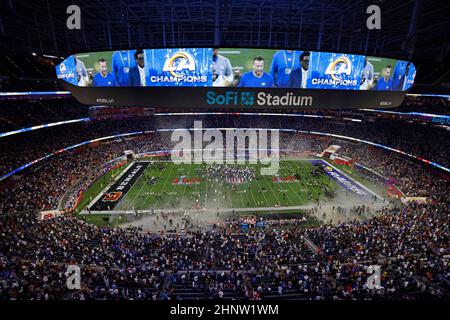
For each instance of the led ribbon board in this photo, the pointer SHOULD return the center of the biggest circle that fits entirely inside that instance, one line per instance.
(236, 78)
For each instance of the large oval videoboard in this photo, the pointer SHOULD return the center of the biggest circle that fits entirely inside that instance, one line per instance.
(236, 78)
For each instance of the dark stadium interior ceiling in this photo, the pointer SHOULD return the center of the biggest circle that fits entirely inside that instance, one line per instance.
(416, 29)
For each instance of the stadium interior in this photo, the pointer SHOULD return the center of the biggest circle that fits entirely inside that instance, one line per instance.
(356, 187)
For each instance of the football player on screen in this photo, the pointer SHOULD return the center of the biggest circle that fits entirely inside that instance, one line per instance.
(256, 78)
(104, 78)
(385, 83)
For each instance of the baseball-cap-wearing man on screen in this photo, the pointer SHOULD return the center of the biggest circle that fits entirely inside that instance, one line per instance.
(385, 83)
(256, 78)
(283, 63)
(103, 78)
(122, 62)
(222, 71)
(367, 75)
(137, 73)
(297, 78)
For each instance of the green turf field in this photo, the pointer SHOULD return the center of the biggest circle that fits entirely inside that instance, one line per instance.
(212, 193)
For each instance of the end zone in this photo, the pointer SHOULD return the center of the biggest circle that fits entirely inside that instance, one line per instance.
(117, 191)
(345, 181)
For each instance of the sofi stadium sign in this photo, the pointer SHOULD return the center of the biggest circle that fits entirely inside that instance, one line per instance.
(246, 98)
(235, 77)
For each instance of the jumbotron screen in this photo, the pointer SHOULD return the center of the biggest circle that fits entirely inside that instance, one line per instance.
(284, 76)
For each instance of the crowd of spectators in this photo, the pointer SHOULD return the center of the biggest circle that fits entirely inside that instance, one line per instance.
(232, 174)
(408, 137)
(20, 149)
(17, 114)
(412, 138)
(42, 188)
(412, 177)
(425, 105)
(410, 245)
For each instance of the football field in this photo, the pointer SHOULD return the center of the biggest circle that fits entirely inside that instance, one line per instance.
(145, 186)
(187, 186)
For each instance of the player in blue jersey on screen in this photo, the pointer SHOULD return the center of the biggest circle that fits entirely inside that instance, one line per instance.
(283, 63)
(122, 62)
(103, 78)
(256, 78)
(385, 82)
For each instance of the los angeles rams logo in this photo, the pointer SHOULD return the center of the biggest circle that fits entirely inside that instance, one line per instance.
(179, 62)
(341, 65)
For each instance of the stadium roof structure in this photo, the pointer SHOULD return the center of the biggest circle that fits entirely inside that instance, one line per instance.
(408, 27)
(414, 30)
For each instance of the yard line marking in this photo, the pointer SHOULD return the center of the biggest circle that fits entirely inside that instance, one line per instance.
(185, 187)
(133, 204)
(227, 188)
(165, 182)
(146, 199)
(251, 192)
(123, 200)
(290, 186)
(265, 181)
(267, 202)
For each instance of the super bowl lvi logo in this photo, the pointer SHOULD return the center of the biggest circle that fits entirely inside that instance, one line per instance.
(338, 67)
(179, 62)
